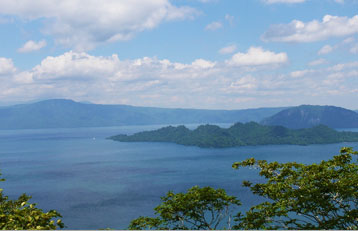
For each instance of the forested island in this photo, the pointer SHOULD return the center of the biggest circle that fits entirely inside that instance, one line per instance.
(240, 134)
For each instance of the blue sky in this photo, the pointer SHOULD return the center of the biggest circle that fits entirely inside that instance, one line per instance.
(215, 54)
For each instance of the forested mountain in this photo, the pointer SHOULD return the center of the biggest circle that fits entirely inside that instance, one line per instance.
(240, 135)
(306, 116)
(60, 113)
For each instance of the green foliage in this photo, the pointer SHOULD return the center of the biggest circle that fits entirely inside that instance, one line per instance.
(315, 196)
(240, 135)
(199, 208)
(20, 214)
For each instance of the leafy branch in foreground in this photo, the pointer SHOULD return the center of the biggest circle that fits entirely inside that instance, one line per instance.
(20, 214)
(315, 196)
(199, 208)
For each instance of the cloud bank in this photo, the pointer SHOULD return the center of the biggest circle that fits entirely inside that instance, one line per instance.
(82, 28)
(150, 81)
(298, 31)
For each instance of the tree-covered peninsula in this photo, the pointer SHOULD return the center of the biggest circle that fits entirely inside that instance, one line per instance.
(212, 136)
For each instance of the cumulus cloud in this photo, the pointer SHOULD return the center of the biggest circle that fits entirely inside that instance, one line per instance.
(23, 77)
(354, 49)
(201, 63)
(283, 1)
(83, 28)
(81, 67)
(143, 81)
(30, 46)
(325, 50)
(317, 62)
(149, 81)
(6, 66)
(247, 82)
(343, 66)
(230, 19)
(301, 73)
(76, 66)
(348, 40)
(228, 49)
(256, 56)
(298, 31)
(214, 26)
(337, 76)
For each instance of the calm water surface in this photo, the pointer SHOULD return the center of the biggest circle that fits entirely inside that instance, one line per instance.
(97, 183)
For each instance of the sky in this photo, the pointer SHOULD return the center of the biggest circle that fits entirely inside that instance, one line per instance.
(208, 54)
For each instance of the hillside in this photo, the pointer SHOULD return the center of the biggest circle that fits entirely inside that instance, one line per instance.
(60, 113)
(240, 135)
(306, 116)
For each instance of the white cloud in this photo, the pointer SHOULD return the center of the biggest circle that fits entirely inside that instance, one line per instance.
(298, 31)
(301, 73)
(23, 77)
(149, 81)
(317, 62)
(354, 49)
(245, 83)
(82, 67)
(348, 40)
(82, 28)
(30, 46)
(325, 50)
(76, 66)
(6, 66)
(342, 66)
(283, 1)
(230, 19)
(201, 63)
(228, 49)
(213, 26)
(143, 81)
(257, 56)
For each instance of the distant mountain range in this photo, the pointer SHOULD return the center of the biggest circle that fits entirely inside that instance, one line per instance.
(240, 135)
(61, 113)
(306, 116)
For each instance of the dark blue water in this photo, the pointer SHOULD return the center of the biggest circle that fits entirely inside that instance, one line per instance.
(97, 183)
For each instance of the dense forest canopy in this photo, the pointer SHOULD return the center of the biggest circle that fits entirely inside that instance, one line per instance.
(240, 135)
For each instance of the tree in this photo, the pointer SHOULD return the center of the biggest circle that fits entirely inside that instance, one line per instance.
(299, 196)
(198, 208)
(20, 214)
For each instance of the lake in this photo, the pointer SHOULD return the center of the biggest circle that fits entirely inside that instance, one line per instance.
(97, 183)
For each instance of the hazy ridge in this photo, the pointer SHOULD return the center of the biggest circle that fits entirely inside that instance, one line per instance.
(306, 116)
(60, 113)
